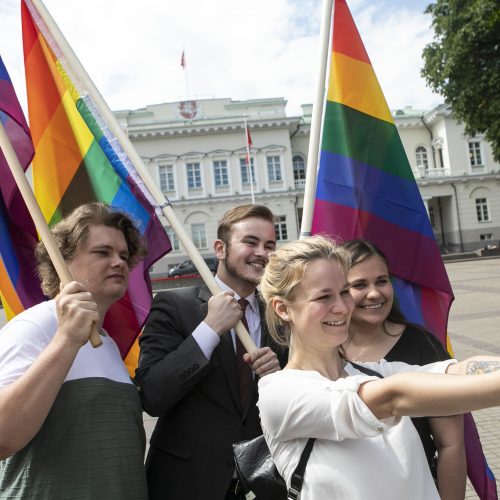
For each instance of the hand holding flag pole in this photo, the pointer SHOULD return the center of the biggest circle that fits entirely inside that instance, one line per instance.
(149, 187)
(40, 224)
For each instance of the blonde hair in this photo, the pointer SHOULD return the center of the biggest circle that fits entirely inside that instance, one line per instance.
(286, 268)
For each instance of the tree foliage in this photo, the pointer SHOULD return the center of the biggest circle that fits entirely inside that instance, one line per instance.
(463, 63)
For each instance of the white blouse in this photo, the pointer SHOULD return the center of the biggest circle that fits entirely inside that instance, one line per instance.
(356, 455)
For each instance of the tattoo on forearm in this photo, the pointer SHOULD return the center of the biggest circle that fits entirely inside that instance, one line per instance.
(479, 367)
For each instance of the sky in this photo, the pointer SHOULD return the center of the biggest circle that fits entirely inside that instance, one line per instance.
(233, 48)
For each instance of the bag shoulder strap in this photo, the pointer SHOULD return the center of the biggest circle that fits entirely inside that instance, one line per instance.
(298, 474)
(365, 370)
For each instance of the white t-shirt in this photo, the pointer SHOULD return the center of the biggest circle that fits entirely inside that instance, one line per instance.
(356, 456)
(24, 337)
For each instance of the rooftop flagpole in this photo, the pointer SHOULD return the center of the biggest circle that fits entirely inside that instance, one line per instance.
(317, 118)
(248, 143)
(184, 67)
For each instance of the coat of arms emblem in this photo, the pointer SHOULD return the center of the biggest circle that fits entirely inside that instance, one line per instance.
(188, 109)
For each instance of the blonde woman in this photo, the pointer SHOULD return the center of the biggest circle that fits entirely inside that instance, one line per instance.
(365, 446)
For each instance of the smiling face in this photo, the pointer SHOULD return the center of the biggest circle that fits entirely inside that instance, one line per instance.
(101, 265)
(321, 309)
(242, 260)
(372, 291)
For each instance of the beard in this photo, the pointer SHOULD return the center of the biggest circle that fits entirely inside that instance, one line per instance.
(238, 270)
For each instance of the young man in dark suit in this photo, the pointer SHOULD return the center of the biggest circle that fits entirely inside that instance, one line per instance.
(193, 373)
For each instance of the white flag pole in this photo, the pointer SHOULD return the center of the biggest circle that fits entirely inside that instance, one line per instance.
(136, 160)
(316, 120)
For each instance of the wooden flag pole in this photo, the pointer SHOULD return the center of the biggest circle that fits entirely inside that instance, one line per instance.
(37, 216)
(137, 162)
(316, 120)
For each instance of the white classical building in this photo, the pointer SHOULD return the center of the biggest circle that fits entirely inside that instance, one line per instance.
(196, 152)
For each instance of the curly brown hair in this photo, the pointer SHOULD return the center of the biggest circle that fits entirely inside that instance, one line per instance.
(73, 230)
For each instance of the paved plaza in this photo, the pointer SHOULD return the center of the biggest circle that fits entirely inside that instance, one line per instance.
(474, 328)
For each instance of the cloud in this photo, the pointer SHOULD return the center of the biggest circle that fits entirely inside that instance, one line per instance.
(237, 49)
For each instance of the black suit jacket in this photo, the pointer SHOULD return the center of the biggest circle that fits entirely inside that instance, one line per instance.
(200, 417)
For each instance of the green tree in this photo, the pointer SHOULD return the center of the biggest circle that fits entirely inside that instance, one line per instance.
(463, 63)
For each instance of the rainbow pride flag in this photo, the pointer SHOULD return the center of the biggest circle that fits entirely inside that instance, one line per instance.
(366, 189)
(78, 160)
(19, 284)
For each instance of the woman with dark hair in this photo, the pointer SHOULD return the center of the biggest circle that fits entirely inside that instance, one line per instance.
(378, 330)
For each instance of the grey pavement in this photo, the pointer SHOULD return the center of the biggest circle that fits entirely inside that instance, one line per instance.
(474, 328)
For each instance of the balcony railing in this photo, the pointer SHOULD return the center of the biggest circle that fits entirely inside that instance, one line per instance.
(433, 172)
(300, 184)
(478, 169)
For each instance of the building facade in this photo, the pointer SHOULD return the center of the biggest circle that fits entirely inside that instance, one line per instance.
(196, 152)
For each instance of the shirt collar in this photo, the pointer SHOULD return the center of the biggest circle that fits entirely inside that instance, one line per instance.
(252, 298)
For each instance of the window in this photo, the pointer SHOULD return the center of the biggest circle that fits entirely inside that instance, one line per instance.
(421, 154)
(280, 226)
(482, 210)
(441, 159)
(476, 160)
(198, 235)
(166, 178)
(193, 175)
(299, 171)
(299, 168)
(486, 236)
(221, 176)
(274, 168)
(245, 178)
(432, 216)
(174, 241)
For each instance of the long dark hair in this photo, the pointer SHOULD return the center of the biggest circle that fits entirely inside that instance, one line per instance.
(361, 250)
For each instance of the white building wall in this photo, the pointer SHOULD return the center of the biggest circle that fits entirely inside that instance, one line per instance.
(163, 137)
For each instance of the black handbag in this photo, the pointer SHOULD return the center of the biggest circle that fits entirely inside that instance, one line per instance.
(256, 470)
(257, 473)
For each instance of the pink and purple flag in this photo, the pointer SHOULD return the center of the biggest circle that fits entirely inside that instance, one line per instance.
(19, 284)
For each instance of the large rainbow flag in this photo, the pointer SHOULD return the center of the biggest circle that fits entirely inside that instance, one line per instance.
(77, 160)
(366, 189)
(19, 284)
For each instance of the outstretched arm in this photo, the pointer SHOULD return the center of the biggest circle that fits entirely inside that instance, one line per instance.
(429, 394)
(477, 365)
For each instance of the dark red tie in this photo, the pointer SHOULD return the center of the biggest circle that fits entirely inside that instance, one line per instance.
(245, 375)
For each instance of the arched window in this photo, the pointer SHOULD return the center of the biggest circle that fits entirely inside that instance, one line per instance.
(421, 154)
(299, 171)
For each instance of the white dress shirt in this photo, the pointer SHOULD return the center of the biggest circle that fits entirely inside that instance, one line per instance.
(208, 339)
